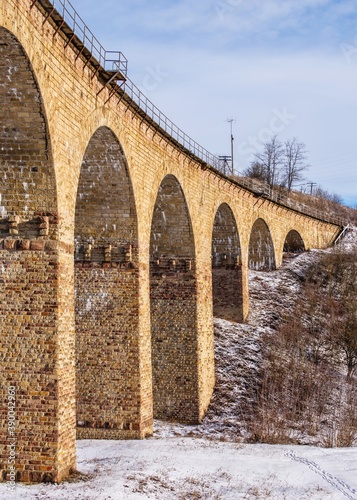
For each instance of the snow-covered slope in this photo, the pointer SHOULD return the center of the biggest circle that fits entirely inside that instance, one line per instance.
(238, 347)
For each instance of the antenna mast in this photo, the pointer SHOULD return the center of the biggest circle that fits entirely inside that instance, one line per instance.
(230, 121)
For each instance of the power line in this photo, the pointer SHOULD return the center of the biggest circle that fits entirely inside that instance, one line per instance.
(335, 174)
(336, 164)
(333, 157)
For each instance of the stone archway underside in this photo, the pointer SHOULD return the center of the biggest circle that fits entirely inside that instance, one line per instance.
(261, 249)
(173, 307)
(226, 267)
(106, 290)
(293, 243)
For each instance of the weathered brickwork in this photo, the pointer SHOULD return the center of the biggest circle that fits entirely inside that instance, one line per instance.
(173, 307)
(109, 233)
(226, 267)
(106, 291)
(105, 208)
(28, 312)
(32, 274)
(107, 351)
(26, 163)
(30, 335)
(293, 242)
(261, 248)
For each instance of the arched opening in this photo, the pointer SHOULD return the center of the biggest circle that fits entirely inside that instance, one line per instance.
(27, 181)
(35, 282)
(261, 249)
(106, 294)
(173, 306)
(293, 244)
(226, 267)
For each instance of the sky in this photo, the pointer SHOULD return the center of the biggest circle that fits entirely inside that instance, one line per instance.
(285, 67)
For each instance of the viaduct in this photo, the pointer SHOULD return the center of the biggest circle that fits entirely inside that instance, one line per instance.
(119, 242)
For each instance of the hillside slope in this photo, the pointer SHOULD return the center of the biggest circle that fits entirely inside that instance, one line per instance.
(239, 354)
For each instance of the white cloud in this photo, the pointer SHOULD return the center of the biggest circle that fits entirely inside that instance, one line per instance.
(263, 56)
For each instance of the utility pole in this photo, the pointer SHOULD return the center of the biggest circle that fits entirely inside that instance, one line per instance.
(311, 184)
(230, 121)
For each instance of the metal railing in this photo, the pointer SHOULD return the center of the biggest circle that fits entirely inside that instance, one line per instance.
(115, 61)
(150, 110)
(108, 60)
(343, 233)
(268, 192)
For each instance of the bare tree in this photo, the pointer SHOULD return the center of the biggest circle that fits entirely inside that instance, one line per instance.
(280, 163)
(323, 193)
(344, 327)
(256, 171)
(294, 162)
(271, 160)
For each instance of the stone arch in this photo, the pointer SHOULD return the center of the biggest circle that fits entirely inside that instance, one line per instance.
(106, 286)
(27, 177)
(173, 292)
(226, 266)
(36, 280)
(293, 243)
(261, 248)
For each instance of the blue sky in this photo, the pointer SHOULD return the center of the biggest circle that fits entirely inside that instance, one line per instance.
(275, 66)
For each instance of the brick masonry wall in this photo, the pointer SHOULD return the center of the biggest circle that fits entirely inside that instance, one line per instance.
(261, 248)
(29, 308)
(32, 274)
(106, 291)
(107, 351)
(174, 346)
(293, 242)
(173, 307)
(227, 293)
(226, 267)
(28, 341)
(105, 209)
(25, 154)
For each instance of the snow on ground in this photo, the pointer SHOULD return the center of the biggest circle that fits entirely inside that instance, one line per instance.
(211, 460)
(188, 468)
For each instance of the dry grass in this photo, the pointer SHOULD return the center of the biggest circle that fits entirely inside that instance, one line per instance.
(307, 385)
(324, 202)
